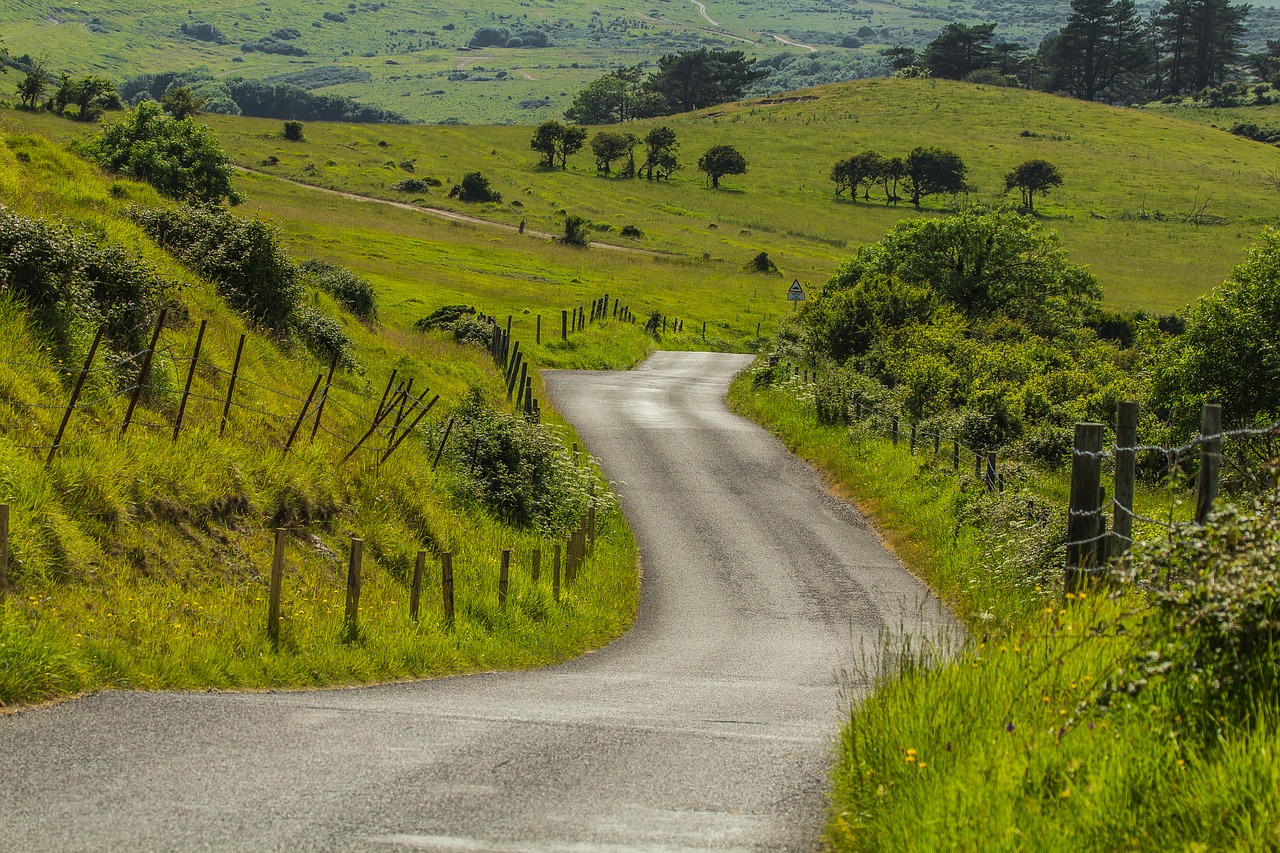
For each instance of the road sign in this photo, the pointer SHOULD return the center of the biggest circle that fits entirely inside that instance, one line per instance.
(795, 293)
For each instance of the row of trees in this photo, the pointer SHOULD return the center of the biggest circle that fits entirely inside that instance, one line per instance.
(1106, 51)
(557, 142)
(681, 82)
(932, 171)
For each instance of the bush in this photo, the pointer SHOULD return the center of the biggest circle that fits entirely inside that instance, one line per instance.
(831, 399)
(72, 281)
(762, 264)
(416, 185)
(178, 157)
(475, 187)
(516, 469)
(632, 232)
(324, 336)
(577, 232)
(242, 256)
(293, 131)
(467, 328)
(352, 292)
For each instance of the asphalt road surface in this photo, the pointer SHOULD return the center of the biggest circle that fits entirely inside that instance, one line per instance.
(709, 726)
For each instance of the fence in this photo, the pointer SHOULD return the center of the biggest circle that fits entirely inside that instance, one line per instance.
(1090, 547)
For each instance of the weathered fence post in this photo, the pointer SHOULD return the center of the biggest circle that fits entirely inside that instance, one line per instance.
(231, 386)
(4, 549)
(978, 459)
(524, 382)
(350, 620)
(1082, 517)
(144, 372)
(415, 591)
(893, 430)
(537, 330)
(443, 442)
(324, 396)
(535, 570)
(75, 395)
(504, 577)
(302, 416)
(564, 325)
(555, 572)
(446, 585)
(1126, 469)
(191, 375)
(991, 471)
(955, 454)
(591, 523)
(913, 439)
(1210, 460)
(273, 597)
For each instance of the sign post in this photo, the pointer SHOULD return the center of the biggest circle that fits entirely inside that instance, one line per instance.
(795, 293)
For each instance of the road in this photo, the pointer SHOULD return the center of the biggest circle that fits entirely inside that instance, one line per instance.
(708, 727)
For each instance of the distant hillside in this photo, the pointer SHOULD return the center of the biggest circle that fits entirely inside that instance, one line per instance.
(438, 62)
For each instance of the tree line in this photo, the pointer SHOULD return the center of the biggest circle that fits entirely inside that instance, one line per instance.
(932, 171)
(556, 142)
(1106, 51)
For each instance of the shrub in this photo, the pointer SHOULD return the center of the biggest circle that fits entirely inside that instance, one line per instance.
(324, 335)
(352, 292)
(293, 131)
(577, 232)
(242, 256)
(178, 157)
(632, 232)
(475, 187)
(762, 264)
(69, 280)
(467, 328)
(831, 399)
(516, 469)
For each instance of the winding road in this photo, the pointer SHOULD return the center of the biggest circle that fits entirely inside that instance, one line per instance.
(708, 727)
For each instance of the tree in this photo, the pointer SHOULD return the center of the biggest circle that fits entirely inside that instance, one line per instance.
(891, 173)
(960, 50)
(853, 173)
(609, 147)
(1199, 41)
(660, 153)
(693, 79)
(577, 232)
(899, 56)
(617, 97)
(1031, 177)
(177, 156)
(92, 95)
(933, 171)
(33, 86)
(1101, 47)
(180, 103)
(720, 160)
(556, 142)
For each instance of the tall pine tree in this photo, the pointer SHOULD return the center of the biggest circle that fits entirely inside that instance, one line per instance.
(1099, 52)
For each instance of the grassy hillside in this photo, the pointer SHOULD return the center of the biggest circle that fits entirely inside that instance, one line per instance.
(141, 560)
(406, 57)
(1131, 178)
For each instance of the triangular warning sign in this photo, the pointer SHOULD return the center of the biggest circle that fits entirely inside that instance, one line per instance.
(795, 293)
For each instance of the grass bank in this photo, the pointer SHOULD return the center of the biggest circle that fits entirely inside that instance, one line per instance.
(1046, 730)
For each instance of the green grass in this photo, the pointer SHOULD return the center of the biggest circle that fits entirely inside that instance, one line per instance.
(1000, 742)
(141, 562)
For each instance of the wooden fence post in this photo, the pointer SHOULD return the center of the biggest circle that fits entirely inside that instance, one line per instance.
(977, 464)
(524, 377)
(955, 455)
(537, 331)
(277, 581)
(191, 374)
(415, 592)
(443, 442)
(350, 621)
(504, 577)
(75, 395)
(1082, 518)
(1210, 460)
(564, 325)
(913, 439)
(517, 361)
(144, 372)
(893, 430)
(535, 570)
(446, 585)
(591, 524)
(409, 430)
(1126, 470)
(383, 411)
(302, 416)
(555, 572)
(324, 396)
(991, 470)
(231, 387)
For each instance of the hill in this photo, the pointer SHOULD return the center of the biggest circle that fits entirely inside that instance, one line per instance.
(413, 58)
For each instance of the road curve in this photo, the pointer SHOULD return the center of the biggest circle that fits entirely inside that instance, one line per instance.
(708, 727)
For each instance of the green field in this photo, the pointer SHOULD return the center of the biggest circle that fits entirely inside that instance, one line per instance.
(409, 57)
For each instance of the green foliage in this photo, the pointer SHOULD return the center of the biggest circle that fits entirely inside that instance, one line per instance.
(293, 131)
(475, 187)
(277, 98)
(178, 157)
(960, 50)
(516, 469)
(1228, 353)
(72, 282)
(557, 142)
(92, 96)
(720, 160)
(243, 256)
(352, 292)
(933, 171)
(203, 31)
(660, 148)
(694, 79)
(323, 335)
(762, 263)
(609, 147)
(1031, 177)
(577, 231)
(416, 185)
(463, 321)
(181, 103)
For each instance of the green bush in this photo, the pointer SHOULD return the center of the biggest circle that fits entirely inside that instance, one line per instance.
(242, 256)
(71, 281)
(516, 469)
(324, 336)
(177, 156)
(475, 187)
(354, 293)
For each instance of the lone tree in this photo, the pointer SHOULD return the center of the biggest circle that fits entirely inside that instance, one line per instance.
(180, 103)
(660, 153)
(721, 160)
(555, 142)
(33, 87)
(609, 147)
(930, 171)
(1031, 177)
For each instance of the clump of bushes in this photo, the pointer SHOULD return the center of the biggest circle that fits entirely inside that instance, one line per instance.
(352, 292)
(475, 187)
(416, 185)
(517, 469)
(72, 282)
(462, 320)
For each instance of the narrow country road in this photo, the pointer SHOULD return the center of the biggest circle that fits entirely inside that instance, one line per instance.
(708, 727)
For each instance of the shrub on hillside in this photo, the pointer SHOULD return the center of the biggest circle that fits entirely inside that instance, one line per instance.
(324, 336)
(177, 156)
(475, 187)
(242, 256)
(352, 292)
(72, 282)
